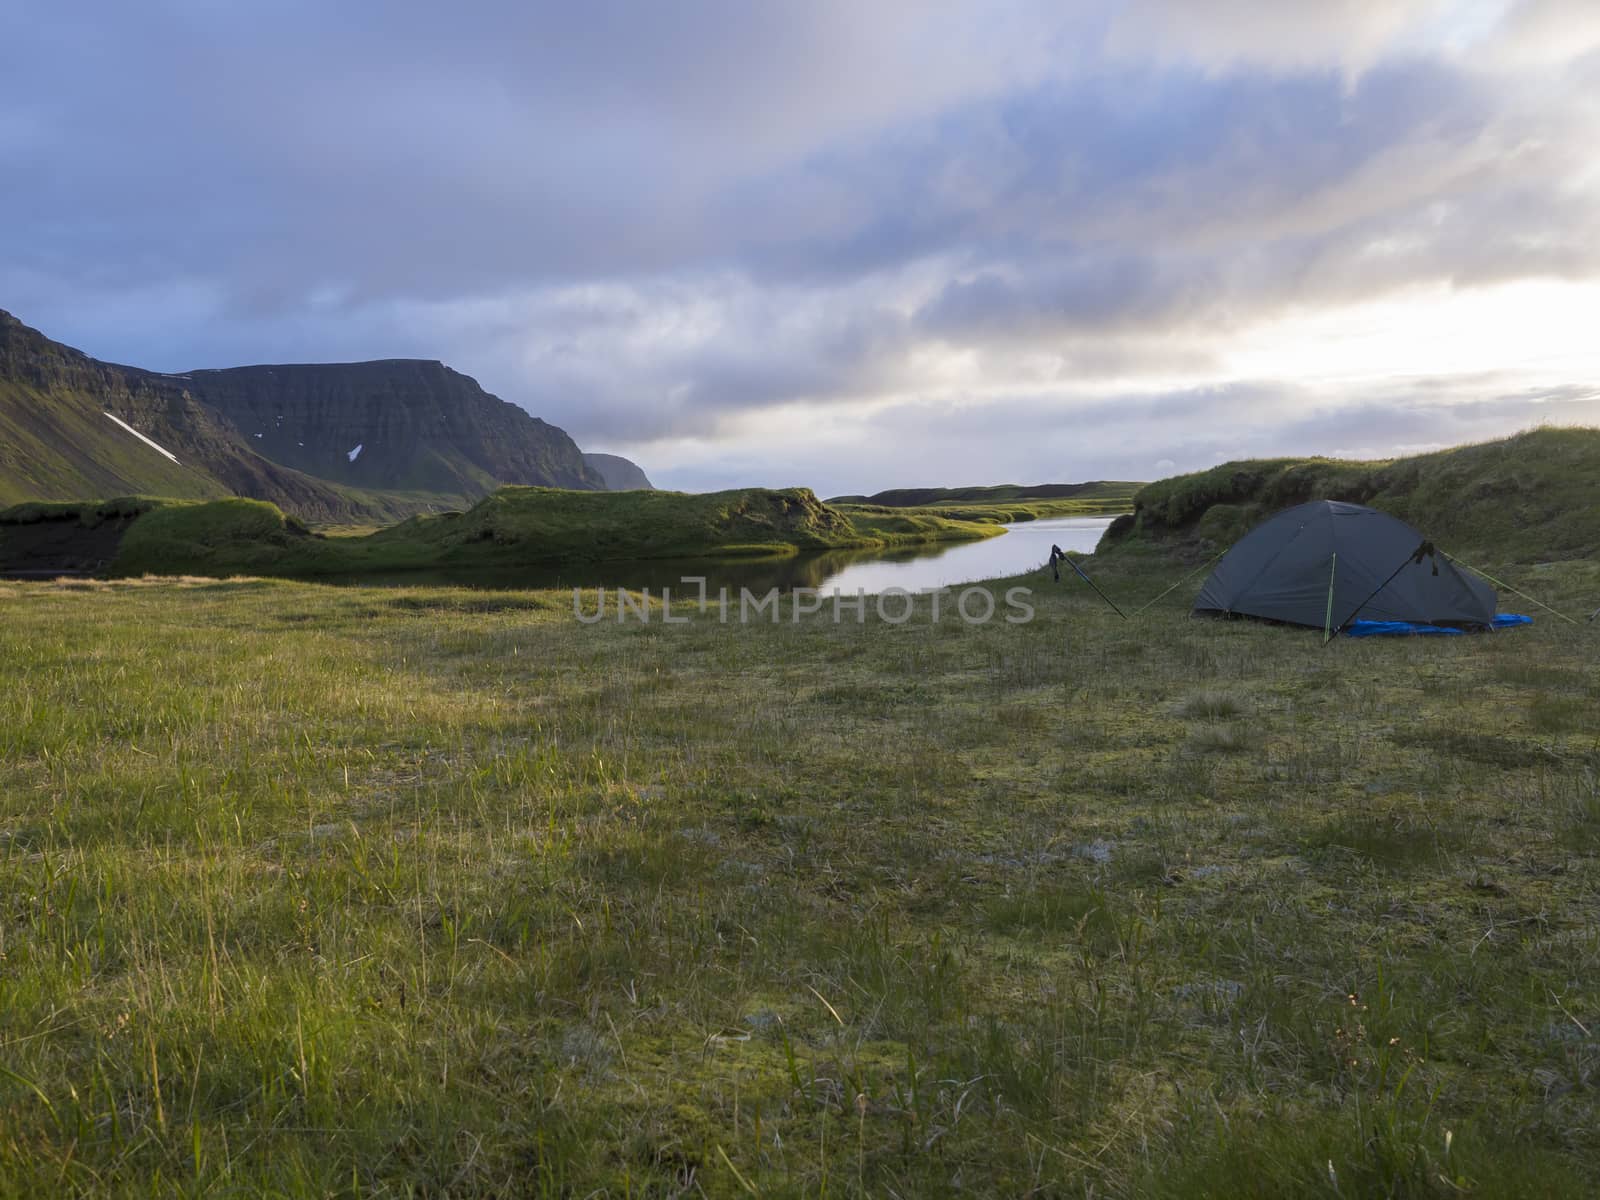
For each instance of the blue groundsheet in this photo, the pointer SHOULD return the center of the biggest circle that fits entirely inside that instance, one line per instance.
(1396, 628)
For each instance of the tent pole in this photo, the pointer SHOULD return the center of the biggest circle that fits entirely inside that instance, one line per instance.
(1327, 617)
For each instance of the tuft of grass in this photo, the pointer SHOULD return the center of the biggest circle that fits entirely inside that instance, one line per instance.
(1210, 706)
(1562, 714)
(1393, 840)
(1222, 739)
(1447, 743)
(1082, 912)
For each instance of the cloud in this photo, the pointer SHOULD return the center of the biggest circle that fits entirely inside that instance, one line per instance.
(1538, 33)
(738, 239)
(1222, 34)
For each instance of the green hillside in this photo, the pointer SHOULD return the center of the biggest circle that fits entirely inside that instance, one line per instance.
(62, 447)
(513, 527)
(1526, 498)
(59, 441)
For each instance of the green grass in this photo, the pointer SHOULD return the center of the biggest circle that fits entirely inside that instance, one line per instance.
(319, 891)
(1522, 499)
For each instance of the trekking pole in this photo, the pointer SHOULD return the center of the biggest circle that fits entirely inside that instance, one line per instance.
(1502, 583)
(1182, 581)
(1058, 554)
(1417, 555)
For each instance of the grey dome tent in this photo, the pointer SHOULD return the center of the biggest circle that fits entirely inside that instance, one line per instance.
(1376, 567)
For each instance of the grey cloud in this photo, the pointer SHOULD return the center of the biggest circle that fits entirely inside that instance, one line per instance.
(1302, 195)
(388, 151)
(655, 223)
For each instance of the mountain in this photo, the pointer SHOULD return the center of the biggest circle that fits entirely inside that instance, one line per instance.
(1525, 498)
(330, 442)
(395, 425)
(620, 475)
(70, 428)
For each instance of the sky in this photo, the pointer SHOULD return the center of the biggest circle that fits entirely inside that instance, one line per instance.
(837, 244)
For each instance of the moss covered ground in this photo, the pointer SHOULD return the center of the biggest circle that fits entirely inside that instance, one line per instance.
(317, 891)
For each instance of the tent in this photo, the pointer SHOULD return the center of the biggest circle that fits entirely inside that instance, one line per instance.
(1327, 564)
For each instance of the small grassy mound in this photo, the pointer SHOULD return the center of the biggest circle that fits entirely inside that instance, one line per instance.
(1519, 499)
(208, 537)
(552, 524)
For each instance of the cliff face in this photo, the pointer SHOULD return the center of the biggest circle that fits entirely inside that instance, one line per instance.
(397, 424)
(619, 474)
(428, 437)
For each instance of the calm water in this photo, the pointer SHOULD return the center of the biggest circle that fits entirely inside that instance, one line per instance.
(1024, 547)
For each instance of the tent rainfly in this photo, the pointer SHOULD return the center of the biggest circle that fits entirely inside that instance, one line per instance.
(1326, 564)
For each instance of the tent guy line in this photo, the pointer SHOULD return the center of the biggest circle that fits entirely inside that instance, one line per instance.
(1502, 583)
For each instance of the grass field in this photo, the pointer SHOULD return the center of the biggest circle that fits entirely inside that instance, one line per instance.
(317, 891)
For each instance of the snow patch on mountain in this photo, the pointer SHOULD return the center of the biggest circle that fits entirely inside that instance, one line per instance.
(159, 449)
